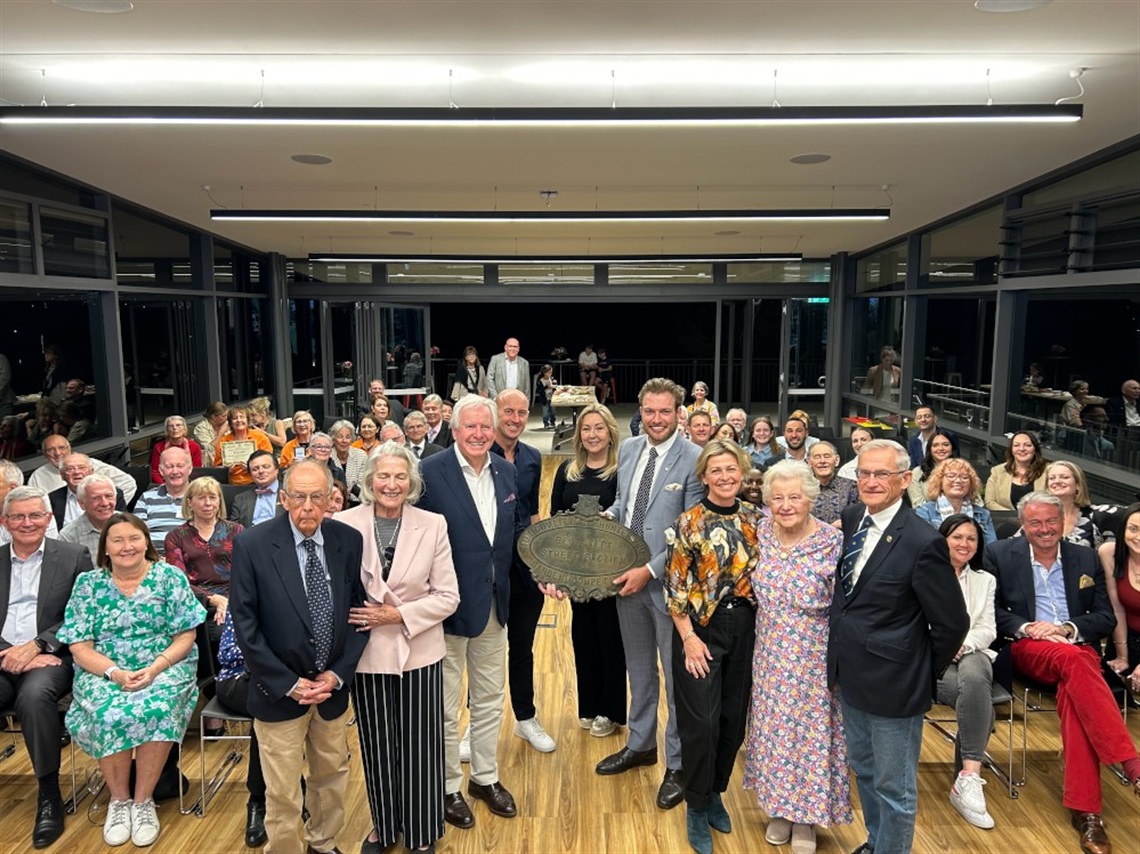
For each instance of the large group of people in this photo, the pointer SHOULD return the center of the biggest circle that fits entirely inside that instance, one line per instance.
(791, 606)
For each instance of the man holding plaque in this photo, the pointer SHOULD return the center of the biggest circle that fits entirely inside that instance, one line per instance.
(656, 482)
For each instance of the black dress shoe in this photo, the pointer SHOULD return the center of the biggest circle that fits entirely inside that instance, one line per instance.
(49, 822)
(625, 759)
(498, 800)
(456, 812)
(865, 848)
(255, 825)
(672, 790)
(309, 849)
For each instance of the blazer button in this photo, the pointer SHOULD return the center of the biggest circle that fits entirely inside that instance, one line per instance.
(312, 642)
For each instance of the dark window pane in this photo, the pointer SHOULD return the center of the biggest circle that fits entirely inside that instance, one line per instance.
(16, 254)
(74, 244)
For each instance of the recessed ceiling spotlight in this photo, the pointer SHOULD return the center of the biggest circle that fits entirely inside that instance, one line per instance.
(311, 159)
(402, 233)
(98, 7)
(809, 159)
(729, 233)
(1009, 5)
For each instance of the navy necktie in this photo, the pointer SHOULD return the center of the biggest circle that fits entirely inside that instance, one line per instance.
(851, 555)
(641, 501)
(320, 603)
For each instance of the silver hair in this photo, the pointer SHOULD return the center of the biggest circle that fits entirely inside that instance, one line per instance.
(10, 473)
(902, 455)
(304, 465)
(834, 449)
(26, 493)
(390, 426)
(172, 419)
(1039, 497)
(93, 480)
(319, 435)
(791, 470)
(341, 425)
(391, 450)
(433, 398)
(414, 415)
(468, 401)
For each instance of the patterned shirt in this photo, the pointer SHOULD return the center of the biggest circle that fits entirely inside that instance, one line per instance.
(710, 554)
(81, 531)
(162, 513)
(833, 498)
(207, 565)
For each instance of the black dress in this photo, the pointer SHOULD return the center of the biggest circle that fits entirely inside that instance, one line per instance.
(599, 657)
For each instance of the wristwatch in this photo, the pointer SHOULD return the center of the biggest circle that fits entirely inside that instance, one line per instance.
(41, 644)
(107, 673)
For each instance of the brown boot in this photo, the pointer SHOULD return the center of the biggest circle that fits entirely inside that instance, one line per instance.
(1094, 838)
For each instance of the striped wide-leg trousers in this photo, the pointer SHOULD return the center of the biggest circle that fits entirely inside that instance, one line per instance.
(400, 722)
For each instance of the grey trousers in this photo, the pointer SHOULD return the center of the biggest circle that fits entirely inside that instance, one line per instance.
(968, 687)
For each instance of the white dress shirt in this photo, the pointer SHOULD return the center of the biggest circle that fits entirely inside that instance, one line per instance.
(482, 488)
(20, 624)
(879, 523)
(639, 470)
(512, 373)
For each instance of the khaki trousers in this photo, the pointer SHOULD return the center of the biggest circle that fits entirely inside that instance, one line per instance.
(285, 746)
(484, 657)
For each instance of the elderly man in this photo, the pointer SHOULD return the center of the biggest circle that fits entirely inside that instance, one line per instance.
(1053, 611)
(392, 432)
(36, 576)
(508, 370)
(416, 430)
(477, 493)
(738, 418)
(65, 500)
(49, 478)
(396, 409)
(97, 495)
(656, 480)
(526, 599)
(897, 620)
(294, 581)
(1123, 411)
(835, 492)
(10, 478)
(927, 423)
(439, 430)
(161, 508)
(260, 503)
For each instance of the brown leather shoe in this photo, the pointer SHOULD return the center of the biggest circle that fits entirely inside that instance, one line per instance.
(498, 800)
(456, 812)
(1094, 838)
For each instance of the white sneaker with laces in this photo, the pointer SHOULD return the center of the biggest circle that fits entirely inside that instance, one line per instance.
(144, 823)
(585, 723)
(465, 746)
(602, 726)
(532, 731)
(117, 826)
(968, 798)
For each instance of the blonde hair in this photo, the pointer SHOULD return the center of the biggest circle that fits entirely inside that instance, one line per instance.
(1081, 499)
(577, 466)
(197, 487)
(956, 464)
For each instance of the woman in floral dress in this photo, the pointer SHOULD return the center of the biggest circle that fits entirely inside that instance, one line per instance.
(795, 755)
(130, 624)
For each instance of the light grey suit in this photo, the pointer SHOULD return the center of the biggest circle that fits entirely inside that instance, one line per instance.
(646, 629)
(497, 375)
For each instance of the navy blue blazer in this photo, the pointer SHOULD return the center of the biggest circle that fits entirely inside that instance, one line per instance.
(528, 474)
(271, 615)
(902, 624)
(483, 568)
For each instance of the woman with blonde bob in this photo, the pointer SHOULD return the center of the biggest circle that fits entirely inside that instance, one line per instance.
(1066, 481)
(954, 487)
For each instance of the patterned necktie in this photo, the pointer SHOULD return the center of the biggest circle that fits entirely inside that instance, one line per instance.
(851, 555)
(419, 452)
(320, 603)
(641, 502)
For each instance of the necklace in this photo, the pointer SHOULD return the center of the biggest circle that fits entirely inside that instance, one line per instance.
(380, 526)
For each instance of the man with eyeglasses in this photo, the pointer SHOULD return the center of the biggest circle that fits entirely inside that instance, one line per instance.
(897, 620)
(293, 582)
(48, 477)
(65, 500)
(10, 478)
(36, 577)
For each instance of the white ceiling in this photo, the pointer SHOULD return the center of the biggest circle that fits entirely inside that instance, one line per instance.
(567, 53)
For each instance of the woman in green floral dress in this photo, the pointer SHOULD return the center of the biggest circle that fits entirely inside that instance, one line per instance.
(130, 625)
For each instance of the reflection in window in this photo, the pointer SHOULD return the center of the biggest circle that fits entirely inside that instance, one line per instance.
(319, 271)
(877, 328)
(779, 271)
(660, 273)
(964, 252)
(1112, 178)
(548, 274)
(438, 274)
(16, 254)
(163, 361)
(149, 252)
(954, 378)
(74, 244)
(244, 348)
(885, 269)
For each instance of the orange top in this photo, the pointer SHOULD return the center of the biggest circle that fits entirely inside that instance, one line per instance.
(239, 474)
(289, 453)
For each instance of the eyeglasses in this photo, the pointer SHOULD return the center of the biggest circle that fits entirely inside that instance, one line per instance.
(318, 498)
(959, 477)
(21, 518)
(320, 447)
(863, 474)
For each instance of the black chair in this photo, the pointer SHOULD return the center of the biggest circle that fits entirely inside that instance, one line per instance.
(141, 475)
(1006, 523)
(78, 793)
(220, 474)
(1003, 771)
(229, 491)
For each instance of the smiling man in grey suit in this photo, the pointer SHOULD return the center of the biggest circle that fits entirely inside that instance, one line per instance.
(508, 370)
(657, 480)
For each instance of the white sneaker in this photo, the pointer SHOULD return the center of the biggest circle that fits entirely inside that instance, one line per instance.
(968, 798)
(779, 831)
(602, 726)
(465, 746)
(144, 822)
(533, 732)
(585, 723)
(117, 826)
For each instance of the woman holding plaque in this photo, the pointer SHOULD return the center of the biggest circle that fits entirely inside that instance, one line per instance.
(599, 656)
(235, 448)
(710, 553)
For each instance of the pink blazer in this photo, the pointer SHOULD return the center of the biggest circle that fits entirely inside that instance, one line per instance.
(422, 585)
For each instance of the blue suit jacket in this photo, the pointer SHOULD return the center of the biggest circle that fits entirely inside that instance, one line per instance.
(482, 567)
(271, 615)
(676, 488)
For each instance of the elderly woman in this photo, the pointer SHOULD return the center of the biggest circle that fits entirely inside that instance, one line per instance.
(710, 553)
(953, 488)
(796, 757)
(130, 625)
(1022, 472)
(701, 402)
(938, 449)
(1121, 562)
(175, 438)
(249, 436)
(410, 588)
(261, 417)
(298, 447)
(1066, 481)
(764, 448)
(211, 428)
(347, 462)
(369, 434)
(967, 684)
(1071, 411)
(338, 499)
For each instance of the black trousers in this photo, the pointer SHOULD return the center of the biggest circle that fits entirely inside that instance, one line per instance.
(712, 711)
(599, 660)
(35, 696)
(234, 695)
(525, 609)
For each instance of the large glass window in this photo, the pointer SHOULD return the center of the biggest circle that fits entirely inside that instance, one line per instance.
(16, 255)
(74, 244)
(1111, 178)
(244, 340)
(164, 360)
(318, 271)
(876, 343)
(236, 270)
(546, 274)
(955, 375)
(884, 270)
(307, 355)
(964, 252)
(778, 272)
(150, 253)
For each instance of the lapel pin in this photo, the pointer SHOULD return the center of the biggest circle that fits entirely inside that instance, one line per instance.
(889, 538)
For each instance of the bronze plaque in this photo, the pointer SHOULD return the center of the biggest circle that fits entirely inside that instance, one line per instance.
(581, 551)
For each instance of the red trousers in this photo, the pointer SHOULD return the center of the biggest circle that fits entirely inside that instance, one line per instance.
(1092, 729)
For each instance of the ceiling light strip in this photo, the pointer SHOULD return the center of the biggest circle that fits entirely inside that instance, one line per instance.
(553, 217)
(553, 260)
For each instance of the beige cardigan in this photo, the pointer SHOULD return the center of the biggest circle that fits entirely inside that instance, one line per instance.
(998, 486)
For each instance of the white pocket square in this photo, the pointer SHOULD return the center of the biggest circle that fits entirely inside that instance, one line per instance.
(673, 487)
